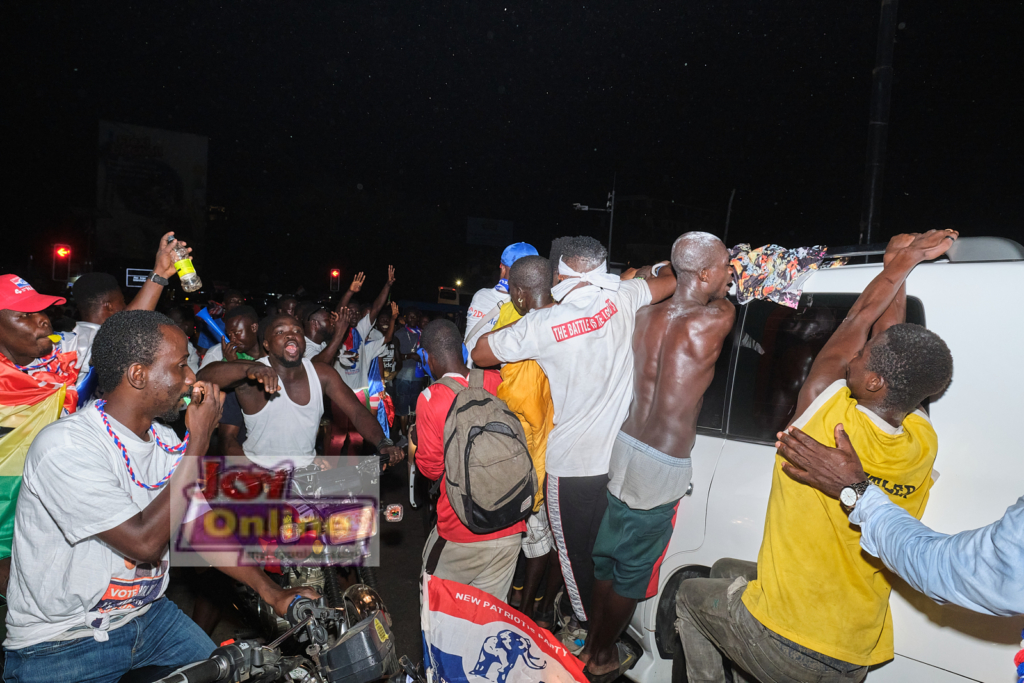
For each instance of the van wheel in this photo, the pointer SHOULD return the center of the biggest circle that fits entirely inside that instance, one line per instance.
(679, 665)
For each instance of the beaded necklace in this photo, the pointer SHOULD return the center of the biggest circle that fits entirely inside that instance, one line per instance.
(179, 450)
(1019, 660)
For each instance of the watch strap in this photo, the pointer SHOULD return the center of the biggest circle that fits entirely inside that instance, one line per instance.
(162, 281)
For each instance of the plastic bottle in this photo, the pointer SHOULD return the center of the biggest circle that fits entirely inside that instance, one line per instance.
(190, 281)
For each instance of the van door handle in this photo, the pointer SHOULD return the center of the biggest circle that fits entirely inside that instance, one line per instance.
(689, 490)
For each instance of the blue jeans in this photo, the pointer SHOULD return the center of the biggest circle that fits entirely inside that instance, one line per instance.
(162, 637)
(407, 392)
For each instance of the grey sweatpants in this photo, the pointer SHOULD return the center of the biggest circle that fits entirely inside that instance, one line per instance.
(487, 565)
(713, 621)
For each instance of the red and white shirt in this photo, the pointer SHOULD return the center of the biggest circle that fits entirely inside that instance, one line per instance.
(585, 347)
(431, 410)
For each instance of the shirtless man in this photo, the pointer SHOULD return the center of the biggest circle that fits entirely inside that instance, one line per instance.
(675, 346)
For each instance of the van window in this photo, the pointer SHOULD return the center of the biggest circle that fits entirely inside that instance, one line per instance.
(777, 346)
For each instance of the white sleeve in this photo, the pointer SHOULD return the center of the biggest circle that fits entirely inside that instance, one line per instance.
(634, 294)
(76, 485)
(364, 326)
(214, 353)
(520, 341)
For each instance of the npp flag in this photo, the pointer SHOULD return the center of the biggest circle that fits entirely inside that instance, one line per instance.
(31, 397)
(470, 636)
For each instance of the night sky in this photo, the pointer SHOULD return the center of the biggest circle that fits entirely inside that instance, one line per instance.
(510, 111)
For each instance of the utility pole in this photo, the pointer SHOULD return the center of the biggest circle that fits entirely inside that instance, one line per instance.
(878, 123)
(728, 215)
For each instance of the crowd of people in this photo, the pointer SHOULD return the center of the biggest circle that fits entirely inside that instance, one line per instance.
(604, 376)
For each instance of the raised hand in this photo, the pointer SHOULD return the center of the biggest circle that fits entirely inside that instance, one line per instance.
(391, 275)
(357, 282)
(230, 350)
(394, 311)
(923, 246)
(265, 375)
(165, 258)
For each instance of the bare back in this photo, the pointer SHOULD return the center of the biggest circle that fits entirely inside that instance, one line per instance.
(675, 346)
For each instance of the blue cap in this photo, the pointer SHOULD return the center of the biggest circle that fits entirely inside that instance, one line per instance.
(514, 252)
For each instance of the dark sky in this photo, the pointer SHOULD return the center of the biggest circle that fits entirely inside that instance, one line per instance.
(457, 109)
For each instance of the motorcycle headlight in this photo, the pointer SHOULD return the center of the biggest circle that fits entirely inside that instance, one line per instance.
(351, 525)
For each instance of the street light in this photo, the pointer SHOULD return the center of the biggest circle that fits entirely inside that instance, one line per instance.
(458, 283)
(609, 208)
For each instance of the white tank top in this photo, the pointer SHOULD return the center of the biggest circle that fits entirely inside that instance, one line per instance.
(284, 432)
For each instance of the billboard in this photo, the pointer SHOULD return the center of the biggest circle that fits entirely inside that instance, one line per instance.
(149, 181)
(488, 232)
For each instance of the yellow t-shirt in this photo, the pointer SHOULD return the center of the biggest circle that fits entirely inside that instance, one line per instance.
(525, 389)
(815, 586)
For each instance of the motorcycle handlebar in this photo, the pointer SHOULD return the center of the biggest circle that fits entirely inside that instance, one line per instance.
(211, 670)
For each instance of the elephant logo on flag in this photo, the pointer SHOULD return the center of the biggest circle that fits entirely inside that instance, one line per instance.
(500, 654)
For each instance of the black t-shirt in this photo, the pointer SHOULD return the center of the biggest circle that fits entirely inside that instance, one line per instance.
(232, 414)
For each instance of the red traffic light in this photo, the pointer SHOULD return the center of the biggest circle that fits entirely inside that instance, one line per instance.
(335, 273)
(62, 251)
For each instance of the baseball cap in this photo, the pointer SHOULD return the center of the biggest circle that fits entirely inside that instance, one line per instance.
(514, 252)
(18, 295)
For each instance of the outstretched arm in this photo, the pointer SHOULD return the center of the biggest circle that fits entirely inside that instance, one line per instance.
(382, 298)
(391, 328)
(364, 422)
(231, 374)
(851, 335)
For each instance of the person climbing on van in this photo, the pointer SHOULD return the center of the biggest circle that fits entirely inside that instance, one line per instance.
(819, 608)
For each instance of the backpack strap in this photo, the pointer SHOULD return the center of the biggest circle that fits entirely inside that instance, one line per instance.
(480, 324)
(476, 379)
(452, 384)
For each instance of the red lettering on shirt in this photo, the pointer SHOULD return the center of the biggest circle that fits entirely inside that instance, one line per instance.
(575, 328)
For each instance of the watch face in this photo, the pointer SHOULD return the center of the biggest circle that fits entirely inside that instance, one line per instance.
(848, 497)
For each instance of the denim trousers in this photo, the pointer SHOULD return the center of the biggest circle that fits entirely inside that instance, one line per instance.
(713, 621)
(162, 637)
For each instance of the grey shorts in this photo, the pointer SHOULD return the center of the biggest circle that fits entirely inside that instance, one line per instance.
(643, 477)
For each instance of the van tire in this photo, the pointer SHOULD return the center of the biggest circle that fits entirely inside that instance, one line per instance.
(665, 637)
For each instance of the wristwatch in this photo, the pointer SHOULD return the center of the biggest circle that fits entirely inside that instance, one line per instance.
(851, 494)
(162, 281)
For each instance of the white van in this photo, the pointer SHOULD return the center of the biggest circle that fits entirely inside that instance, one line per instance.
(970, 299)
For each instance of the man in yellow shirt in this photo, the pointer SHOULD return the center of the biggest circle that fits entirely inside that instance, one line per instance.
(815, 607)
(524, 388)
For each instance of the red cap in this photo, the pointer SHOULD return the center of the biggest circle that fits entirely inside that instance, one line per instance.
(18, 295)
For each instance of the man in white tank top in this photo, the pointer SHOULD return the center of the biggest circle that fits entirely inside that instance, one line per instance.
(281, 396)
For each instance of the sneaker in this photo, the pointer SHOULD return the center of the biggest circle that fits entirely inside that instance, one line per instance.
(573, 638)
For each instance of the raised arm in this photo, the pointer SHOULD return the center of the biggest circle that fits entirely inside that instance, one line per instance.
(342, 321)
(382, 298)
(391, 328)
(851, 335)
(362, 419)
(357, 284)
(149, 295)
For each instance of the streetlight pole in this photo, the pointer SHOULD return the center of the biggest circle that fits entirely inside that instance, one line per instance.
(609, 208)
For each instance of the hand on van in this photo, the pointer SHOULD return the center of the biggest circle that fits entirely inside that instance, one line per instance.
(827, 469)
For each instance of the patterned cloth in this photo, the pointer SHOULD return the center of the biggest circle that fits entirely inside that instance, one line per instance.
(775, 273)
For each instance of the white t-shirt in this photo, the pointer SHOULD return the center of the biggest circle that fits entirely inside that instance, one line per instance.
(585, 347)
(65, 582)
(483, 303)
(356, 374)
(213, 354)
(193, 357)
(313, 349)
(84, 333)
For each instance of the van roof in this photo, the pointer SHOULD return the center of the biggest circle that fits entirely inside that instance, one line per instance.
(964, 250)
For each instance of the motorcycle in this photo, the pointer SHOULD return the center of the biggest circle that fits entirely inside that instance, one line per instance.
(329, 557)
(353, 644)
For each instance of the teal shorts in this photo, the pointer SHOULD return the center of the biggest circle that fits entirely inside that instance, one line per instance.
(631, 545)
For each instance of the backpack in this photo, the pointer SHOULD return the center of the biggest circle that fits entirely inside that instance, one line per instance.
(489, 474)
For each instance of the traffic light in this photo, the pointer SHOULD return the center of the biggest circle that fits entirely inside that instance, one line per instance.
(335, 280)
(61, 270)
